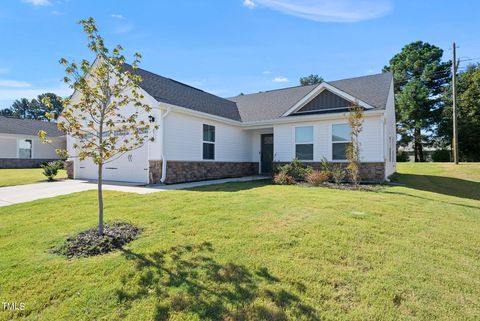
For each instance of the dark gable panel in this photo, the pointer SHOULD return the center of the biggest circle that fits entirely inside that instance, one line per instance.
(325, 100)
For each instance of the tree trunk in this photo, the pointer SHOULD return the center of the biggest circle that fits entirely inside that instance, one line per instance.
(417, 140)
(420, 152)
(100, 200)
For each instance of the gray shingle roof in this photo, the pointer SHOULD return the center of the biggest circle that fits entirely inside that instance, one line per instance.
(373, 89)
(27, 127)
(170, 91)
(269, 104)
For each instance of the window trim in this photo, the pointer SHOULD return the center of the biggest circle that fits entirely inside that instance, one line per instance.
(337, 142)
(209, 142)
(309, 143)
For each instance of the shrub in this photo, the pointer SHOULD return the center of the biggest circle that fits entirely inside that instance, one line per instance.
(296, 169)
(441, 155)
(316, 178)
(50, 169)
(325, 166)
(402, 156)
(283, 178)
(338, 173)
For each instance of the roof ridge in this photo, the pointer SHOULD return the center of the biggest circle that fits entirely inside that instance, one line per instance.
(328, 82)
(364, 76)
(268, 91)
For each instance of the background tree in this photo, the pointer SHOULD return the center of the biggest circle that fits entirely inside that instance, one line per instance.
(468, 111)
(22, 108)
(6, 112)
(355, 121)
(34, 109)
(40, 109)
(106, 119)
(420, 77)
(311, 80)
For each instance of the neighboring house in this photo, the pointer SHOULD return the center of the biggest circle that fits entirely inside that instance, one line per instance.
(410, 150)
(203, 136)
(20, 146)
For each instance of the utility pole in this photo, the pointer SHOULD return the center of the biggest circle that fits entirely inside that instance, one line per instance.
(454, 104)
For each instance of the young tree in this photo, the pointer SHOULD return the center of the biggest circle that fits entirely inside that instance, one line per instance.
(311, 80)
(418, 72)
(106, 117)
(355, 121)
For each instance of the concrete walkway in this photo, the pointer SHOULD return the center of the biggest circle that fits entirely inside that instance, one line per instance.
(26, 193)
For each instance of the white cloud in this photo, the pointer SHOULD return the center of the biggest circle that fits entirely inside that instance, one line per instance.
(118, 16)
(38, 2)
(57, 13)
(280, 79)
(249, 4)
(330, 10)
(30, 93)
(266, 72)
(14, 83)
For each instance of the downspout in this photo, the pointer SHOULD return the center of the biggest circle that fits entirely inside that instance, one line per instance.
(164, 159)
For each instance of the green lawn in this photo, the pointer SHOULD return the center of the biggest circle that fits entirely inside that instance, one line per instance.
(257, 251)
(20, 176)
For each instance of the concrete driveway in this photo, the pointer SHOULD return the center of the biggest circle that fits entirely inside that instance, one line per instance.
(26, 193)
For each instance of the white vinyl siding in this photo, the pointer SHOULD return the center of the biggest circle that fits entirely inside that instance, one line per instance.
(370, 139)
(184, 140)
(8, 147)
(390, 138)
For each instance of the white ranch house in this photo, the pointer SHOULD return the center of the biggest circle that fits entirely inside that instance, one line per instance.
(20, 146)
(202, 136)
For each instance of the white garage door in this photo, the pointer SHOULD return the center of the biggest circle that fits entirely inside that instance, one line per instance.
(130, 167)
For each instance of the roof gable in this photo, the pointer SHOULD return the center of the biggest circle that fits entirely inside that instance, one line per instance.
(371, 92)
(270, 104)
(322, 87)
(325, 100)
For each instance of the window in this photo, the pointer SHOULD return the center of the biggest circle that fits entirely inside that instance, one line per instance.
(25, 148)
(304, 143)
(341, 138)
(208, 142)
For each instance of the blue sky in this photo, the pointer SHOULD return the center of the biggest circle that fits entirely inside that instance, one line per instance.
(227, 46)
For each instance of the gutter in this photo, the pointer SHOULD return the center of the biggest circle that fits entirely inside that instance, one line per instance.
(164, 159)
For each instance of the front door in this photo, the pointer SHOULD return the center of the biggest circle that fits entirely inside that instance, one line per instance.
(266, 159)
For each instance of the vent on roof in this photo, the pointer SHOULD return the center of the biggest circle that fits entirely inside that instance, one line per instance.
(325, 100)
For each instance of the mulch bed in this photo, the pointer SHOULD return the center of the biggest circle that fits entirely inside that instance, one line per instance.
(90, 243)
(350, 187)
